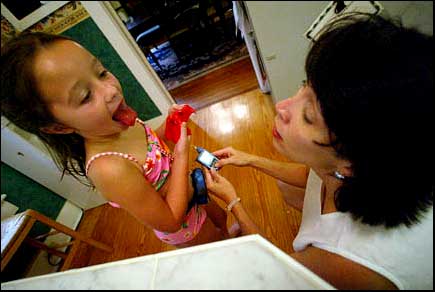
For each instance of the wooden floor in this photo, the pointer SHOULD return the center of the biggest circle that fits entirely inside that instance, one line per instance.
(244, 122)
(229, 81)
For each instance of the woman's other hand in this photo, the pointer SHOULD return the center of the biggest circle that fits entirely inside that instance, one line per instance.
(229, 155)
(219, 186)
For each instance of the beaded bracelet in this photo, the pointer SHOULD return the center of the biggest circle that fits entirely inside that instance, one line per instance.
(232, 203)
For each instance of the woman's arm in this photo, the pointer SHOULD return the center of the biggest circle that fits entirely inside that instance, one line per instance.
(225, 191)
(247, 226)
(291, 173)
(340, 272)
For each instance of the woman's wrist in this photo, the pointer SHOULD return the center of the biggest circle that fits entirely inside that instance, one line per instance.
(253, 160)
(232, 204)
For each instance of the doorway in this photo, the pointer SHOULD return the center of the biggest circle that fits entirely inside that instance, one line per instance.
(183, 40)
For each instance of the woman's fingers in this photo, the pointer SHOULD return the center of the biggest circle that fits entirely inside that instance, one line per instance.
(215, 176)
(223, 162)
(211, 175)
(225, 152)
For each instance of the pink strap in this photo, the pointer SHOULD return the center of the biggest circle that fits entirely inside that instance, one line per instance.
(123, 155)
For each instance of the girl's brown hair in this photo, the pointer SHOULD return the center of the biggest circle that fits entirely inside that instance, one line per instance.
(22, 104)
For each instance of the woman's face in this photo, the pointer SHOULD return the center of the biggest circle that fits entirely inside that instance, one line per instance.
(300, 129)
(79, 92)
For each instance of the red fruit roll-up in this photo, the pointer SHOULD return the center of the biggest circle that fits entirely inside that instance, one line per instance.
(174, 121)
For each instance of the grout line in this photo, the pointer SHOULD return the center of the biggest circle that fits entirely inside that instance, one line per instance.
(153, 279)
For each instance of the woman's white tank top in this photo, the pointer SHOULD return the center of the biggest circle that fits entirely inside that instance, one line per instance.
(402, 255)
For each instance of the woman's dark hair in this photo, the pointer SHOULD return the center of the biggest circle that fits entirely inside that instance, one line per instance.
(374, 82)
(22, 104)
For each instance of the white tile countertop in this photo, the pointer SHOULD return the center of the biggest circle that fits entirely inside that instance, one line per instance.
(248, 262)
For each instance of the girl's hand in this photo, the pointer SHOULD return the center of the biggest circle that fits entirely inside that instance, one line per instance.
(232, 156)
(183, 144)
(219, 186)
(174, 108)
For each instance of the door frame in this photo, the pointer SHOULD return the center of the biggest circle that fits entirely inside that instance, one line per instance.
(108, 21)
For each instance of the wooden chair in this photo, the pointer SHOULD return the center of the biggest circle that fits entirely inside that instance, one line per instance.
(15, 229)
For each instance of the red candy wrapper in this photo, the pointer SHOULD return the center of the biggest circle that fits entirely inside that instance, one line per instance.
(174, 121)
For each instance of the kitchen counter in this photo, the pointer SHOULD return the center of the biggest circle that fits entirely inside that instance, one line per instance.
(248, 262)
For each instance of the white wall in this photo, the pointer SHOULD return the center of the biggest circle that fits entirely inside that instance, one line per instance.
(280, 27)
(417, 14)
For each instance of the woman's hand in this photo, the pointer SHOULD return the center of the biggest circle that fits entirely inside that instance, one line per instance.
(219, 186)
(232, 156)
(183, 144)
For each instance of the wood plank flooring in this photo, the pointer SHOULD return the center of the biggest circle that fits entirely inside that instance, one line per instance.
(244, 122)
(229, 81)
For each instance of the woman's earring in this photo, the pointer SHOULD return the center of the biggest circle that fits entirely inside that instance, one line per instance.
(339, 175)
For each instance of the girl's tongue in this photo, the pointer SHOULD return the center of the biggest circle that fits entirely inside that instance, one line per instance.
(125, 114)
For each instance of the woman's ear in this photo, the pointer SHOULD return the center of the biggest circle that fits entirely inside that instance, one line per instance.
(347, 171)
(57, 129)
(345, 168)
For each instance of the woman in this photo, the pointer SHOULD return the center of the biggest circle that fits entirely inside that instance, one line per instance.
(361, 124)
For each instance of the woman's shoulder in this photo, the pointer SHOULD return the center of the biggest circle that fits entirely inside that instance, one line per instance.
(400, 254)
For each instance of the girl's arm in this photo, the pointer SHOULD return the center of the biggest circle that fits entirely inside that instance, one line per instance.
(178, 191)
(122, 182)
(295, 174)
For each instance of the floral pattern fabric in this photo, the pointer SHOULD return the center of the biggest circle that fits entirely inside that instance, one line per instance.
(189, 228)
(157, 165)
(156, 170)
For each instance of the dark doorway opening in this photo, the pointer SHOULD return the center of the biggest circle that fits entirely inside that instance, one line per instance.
(183, 40)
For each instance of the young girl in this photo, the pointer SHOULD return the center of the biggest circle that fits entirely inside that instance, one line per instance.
(54, 88)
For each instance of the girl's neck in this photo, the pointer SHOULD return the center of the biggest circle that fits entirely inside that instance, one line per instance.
(109, 139)
(103, 140)
(120, 141)
(100, 143)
